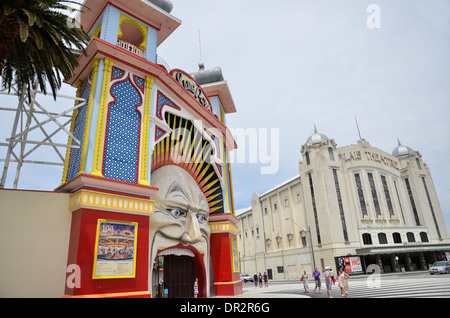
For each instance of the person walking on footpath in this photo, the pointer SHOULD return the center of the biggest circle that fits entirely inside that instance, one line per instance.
(333, 278)
(328, 281)
(196, 288)
(266, 280)
(339, 281)
(343, 277)
(316, 275)
(260, 280)
(305, 281)
(255, 280)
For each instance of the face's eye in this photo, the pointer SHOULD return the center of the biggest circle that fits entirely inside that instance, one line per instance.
(177, 213)
(202, 218)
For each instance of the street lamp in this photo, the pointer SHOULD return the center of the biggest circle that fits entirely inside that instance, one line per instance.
(310, 241)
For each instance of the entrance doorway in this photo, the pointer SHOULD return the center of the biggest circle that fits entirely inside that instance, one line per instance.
(176, 274)
(180, 275)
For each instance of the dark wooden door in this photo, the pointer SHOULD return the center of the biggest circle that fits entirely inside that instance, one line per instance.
(180, 275)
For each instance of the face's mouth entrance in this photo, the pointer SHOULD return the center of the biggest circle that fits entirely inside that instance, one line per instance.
(175, 270)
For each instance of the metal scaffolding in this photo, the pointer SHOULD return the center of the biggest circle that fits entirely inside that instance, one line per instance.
(36, 125)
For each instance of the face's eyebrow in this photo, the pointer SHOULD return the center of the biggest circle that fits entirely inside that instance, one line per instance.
(177, 190)
(203, 203)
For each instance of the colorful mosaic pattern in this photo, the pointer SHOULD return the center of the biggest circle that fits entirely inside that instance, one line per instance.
(117, 73)
(159, 133)
(163, 101)
(78, 132)
(121, 153)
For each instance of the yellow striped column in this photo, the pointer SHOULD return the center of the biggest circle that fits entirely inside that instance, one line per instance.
(89, 115)
(143, 169)
(100, 134)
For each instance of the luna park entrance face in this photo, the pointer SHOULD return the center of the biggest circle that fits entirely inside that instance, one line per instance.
(173, 277)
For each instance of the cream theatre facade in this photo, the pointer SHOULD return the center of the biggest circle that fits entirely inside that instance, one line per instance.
(351, 206)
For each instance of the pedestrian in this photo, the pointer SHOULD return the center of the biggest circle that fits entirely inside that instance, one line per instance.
(333, 279)
(305, 281)
(196, 288)
(255, 280)
(343, 277)
(260, 280)
(316, 275)
(266, 280)
(341, 269)
(328, 281)
(165, 288)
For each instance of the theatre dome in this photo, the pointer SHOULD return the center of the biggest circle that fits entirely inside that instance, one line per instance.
(204, 77)
(401, 150)
(316, 138)
(166, 5)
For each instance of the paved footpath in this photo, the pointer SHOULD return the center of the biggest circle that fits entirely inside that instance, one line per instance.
(394, 285)
(274, 290)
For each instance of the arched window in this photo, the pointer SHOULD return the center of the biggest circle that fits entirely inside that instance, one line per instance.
(133, 32)
(411, 237)
(308, 162)
(382, 239)
(397, 238)
(424, 237)
(418, 164)
(330, 153)
(132, 35)
(367, 239)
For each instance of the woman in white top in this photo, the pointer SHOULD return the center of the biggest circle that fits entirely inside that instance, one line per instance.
(305, 281)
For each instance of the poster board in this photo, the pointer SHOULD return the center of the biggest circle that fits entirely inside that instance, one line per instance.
(353, 265)
(115, 250)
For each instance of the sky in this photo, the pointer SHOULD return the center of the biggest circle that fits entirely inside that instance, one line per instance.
(293, 64)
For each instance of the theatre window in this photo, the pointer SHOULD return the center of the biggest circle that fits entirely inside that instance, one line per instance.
(367, 239)
(397, 238)
(382, 239)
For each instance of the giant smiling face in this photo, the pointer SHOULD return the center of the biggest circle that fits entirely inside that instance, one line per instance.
(180, 225)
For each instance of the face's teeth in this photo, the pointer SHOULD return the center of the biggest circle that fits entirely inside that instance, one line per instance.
(177, 252)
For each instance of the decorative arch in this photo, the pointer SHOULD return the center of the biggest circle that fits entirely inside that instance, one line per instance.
(142, 28)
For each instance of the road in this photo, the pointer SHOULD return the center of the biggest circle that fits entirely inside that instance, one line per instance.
(397, 285)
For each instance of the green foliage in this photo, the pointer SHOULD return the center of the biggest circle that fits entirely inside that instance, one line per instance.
(37, 44)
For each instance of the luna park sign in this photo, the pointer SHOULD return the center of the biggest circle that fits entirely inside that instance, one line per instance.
(192, 87)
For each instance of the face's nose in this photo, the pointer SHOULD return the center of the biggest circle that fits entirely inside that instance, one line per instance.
(191, 233)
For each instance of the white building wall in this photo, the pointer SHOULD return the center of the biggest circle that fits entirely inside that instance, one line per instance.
(34, 236)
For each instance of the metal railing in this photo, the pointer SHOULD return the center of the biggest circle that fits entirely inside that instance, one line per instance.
(162, 62)
(130, 48)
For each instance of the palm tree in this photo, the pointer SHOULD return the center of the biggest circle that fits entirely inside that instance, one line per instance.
(37, 43)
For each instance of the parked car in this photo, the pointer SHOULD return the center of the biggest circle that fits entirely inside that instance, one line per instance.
(246, 278)
(441, 267)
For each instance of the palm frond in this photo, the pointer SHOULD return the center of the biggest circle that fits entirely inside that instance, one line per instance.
(37, 44)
